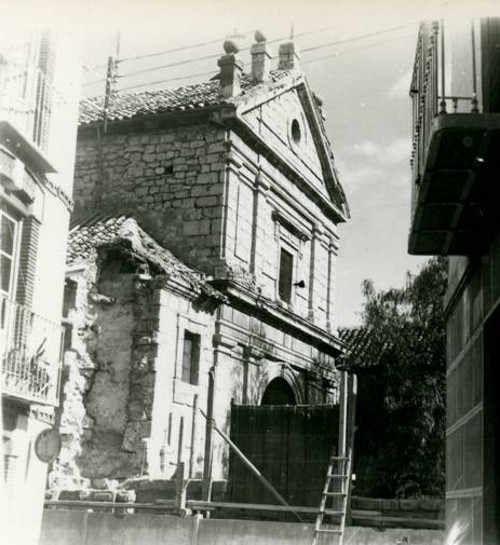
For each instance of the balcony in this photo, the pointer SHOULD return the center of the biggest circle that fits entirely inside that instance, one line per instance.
(30, 351)
(456, 124)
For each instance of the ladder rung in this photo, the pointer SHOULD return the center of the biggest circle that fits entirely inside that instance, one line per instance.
(339, 458)
(338, 475)
(328, 531)
(331, 513)
(335, 493)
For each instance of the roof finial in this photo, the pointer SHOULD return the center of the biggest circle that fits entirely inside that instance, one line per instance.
(259, 36)
(291, 32)
(230, 47)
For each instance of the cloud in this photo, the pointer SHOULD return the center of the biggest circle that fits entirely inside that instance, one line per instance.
(401, 88)
(366, 148)
(395, 152)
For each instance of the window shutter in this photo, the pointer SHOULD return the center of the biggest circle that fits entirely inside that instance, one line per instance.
(187, 356)
(27, 261)
(285, 276)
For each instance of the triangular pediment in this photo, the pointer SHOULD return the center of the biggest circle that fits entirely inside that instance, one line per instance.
(286, 116)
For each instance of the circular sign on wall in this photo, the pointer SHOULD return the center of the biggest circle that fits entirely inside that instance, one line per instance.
(48, 445)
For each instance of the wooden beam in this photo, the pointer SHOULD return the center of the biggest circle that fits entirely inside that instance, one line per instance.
(252, 468)
(193, 436)
(206, 491)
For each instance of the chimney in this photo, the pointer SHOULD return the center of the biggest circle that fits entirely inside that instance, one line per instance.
(260, 58)
(288, 57)
(231, 69)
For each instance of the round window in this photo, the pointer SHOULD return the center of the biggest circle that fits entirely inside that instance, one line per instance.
(296, 132)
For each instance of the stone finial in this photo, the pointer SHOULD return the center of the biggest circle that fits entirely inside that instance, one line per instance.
(260, 58)
(288, 57)
(231, 69)
(259, 37)
(230, 47)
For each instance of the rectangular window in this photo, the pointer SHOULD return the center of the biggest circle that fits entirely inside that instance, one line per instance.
(285, 276)
(190, 358)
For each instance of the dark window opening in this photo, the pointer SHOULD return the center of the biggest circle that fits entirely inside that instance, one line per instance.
(278, 392)
(285, 276)
(190, 358)
(69, 300)
(296, 134)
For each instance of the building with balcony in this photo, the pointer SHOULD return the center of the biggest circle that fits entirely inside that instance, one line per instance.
(456, 197)
(234, 177)
(38, 117)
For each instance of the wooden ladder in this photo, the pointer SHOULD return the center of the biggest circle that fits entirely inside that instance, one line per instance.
(337, 488)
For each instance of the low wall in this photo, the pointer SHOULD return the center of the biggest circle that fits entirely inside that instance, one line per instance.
(63, 527)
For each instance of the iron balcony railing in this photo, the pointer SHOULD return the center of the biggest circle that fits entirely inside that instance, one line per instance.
(30, 351)
(445, 81)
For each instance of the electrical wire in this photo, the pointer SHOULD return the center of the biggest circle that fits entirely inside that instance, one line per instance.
(354, 49)
(179, 78)
(211, 42)
(359, 37)
(214, 56)
(305, 62)
(313, 48)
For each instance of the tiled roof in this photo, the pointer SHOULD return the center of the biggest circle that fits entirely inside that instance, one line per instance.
(358, 341)
(90, 233)
(190, 97)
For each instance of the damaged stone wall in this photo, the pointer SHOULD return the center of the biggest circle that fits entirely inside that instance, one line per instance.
(109, 376)
(124, 396)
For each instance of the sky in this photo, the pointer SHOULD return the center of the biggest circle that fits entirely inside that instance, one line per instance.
(358, 56)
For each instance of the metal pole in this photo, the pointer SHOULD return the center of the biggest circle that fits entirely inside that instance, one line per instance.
(443, 100)
(475, 109)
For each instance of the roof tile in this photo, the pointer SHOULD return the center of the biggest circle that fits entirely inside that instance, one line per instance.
(200, 95)
(89, 234)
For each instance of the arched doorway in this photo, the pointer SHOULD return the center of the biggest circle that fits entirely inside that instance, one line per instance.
(278, 392)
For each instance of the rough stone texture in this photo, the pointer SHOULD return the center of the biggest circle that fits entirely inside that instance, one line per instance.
(172, 180)
(120, 416)
(224, 206)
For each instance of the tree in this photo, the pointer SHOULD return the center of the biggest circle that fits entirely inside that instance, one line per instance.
(400, 442)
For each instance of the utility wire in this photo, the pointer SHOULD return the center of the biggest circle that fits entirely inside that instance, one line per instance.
(306, 50)
(308, 61)
(209, 42)
(168, 51)
(213, 56)
(313, 48)
(359, 37)
(211, 73)
(354, 49)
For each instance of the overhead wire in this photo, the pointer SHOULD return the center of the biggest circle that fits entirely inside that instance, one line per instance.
(209, 42)
(308, 61)
(305, 50)
(179, 78)
(360, 48)
(212, 56)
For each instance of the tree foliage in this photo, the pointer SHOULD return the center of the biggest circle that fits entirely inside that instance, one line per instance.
(401, 410)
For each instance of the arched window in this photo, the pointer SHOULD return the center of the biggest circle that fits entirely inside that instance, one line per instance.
(278, 392)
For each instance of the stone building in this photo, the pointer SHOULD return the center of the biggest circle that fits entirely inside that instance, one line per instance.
(234, 177)
(456, 105)
(39, 79)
